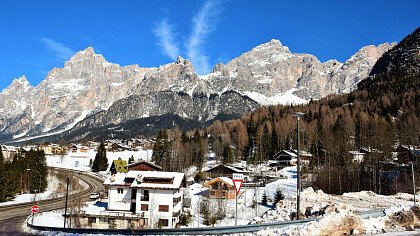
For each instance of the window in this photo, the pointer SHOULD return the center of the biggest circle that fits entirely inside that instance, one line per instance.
(145, 196)
(164, 208)
(163, 222)
(144, 207)
(120, 190)
(176, 200)
(91, 220)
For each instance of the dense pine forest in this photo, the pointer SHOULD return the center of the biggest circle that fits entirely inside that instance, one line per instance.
(15, 177)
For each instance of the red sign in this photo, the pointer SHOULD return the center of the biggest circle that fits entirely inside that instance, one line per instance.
(238, 185)
(35, 209)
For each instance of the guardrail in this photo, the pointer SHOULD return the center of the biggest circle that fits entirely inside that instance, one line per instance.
(176, 231)
(193, 231)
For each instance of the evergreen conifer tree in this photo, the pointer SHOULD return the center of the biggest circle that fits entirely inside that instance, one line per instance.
(131, 159)
(100, 163)
(278, 196)
(264, 199)
(161, 150)
(227, 154)
(3, 190)
(198, 151)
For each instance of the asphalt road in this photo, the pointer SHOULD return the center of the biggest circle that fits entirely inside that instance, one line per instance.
(12, 217)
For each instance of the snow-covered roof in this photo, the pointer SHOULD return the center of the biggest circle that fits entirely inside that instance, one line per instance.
(9, 148)
(302, 152)
(357, 153)
(227, 180)
(27, 148)
(146, 163)
(147, 179)
(79, 146)
(290, 153)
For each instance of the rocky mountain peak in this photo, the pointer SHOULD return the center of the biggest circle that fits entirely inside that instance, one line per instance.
(88, 84)
(402, 60)
(21, 82)
(274, 46)
(180, 60)
(17, 85)
(86, 57)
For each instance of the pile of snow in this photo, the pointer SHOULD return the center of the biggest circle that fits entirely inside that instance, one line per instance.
(341, 220)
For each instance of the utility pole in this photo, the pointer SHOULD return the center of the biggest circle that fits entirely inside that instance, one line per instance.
(298, 115)
(67, 195)
(236, 209)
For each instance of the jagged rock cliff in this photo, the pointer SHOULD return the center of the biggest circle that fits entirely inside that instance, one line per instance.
(88, 87)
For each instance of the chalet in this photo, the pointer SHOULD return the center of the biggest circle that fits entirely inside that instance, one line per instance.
(289, 157)
(9, 152)
(79, 151)
(51, 149)
(226, 171)
(116, 146)
(144, 166)
(150, 199)
(285, 157)
(221, 187)
(47, 148)
(119, 166)
(93, 145)
(56, 149)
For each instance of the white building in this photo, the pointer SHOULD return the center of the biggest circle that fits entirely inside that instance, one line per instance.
(79, 151)
(155, 197)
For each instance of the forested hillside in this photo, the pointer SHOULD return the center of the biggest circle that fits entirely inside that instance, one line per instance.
(383, 112)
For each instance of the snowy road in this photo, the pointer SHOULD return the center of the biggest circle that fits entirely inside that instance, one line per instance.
(13, 216)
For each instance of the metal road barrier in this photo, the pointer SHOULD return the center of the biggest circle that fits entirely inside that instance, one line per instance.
(192, 231)
(176, 231)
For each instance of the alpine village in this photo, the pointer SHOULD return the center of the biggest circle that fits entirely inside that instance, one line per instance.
(202, 153)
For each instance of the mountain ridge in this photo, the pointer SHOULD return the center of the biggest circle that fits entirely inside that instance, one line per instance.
(88, 84)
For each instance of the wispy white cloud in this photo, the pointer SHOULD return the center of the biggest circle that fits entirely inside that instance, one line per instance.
(203, 24)
(166, 38)
(58, 48)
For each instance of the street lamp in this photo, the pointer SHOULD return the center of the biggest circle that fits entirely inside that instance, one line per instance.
(39, 188)
(298, 115)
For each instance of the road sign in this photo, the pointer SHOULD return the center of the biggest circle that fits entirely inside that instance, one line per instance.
(238, 179)
(35, 209)
(237, 176)
(238, 185)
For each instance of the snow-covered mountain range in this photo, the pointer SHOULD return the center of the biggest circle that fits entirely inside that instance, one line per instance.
(106, 93)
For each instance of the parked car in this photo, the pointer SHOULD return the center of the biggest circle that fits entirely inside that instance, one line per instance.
(94, 196)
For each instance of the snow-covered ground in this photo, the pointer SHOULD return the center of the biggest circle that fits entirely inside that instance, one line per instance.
(48, 194)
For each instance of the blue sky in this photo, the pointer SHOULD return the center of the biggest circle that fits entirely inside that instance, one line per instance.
(36, 36)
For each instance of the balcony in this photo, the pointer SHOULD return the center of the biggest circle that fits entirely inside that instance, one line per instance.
(176, 214)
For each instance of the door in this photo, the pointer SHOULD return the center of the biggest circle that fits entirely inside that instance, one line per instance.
(133, 200)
